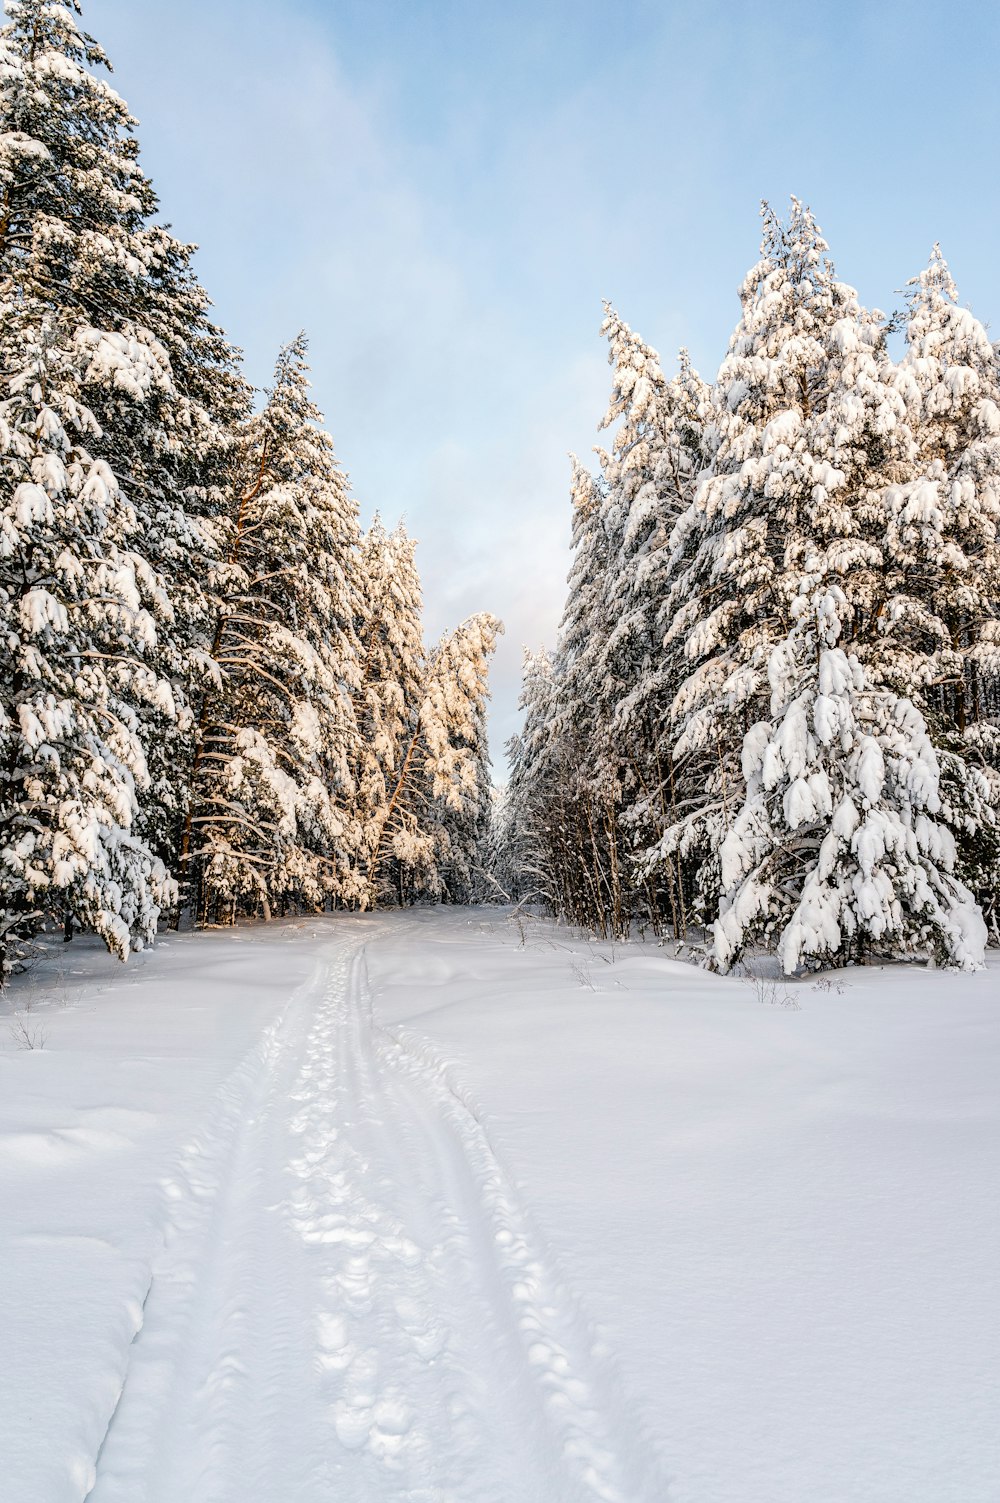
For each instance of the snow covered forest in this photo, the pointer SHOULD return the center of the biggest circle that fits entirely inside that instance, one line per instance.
(774, 707)
(214, 692)
(773, 713)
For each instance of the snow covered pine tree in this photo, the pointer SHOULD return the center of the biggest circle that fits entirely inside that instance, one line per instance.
(387, 704)
(648, 482)
(456, 758)
(943, 536)
(271, 812)
(607, 690)
(108, 452)
(791, 524)
(837, 850)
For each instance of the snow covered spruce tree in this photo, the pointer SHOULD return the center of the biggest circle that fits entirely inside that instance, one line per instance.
(271, 819)
(837, 850)
(109, 369)
(816, 444)
(945, 521)
(387, 701)
(590, 796)
(789, 473)
(648, 481)
(611, 680)
(456, 760)
(944, 544)
(75, 632)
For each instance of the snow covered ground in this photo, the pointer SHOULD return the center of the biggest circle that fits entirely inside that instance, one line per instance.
(441, 1207)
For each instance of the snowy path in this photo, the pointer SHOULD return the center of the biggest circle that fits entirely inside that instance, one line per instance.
(352, 1303)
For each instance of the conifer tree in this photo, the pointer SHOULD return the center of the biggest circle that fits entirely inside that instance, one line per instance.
(838, 850)
(79, 243)
(387, 706)
(649, 478)
(583, 708)
(99, 304)
(271, 812)
(610, 673)
(78, 617)
(944, 542)
(945, 521)
(456, 760)
(808, 429)
(547, 834)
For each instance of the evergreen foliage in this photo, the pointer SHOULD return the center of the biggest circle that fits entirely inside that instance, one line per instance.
(272, 794)
(108, 367)
(773, 709)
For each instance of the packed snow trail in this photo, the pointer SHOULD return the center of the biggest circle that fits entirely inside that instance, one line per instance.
(351, 1303)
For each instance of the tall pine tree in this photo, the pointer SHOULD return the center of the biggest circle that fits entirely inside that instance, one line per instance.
(271, 814)
(388, 700)
(786, 476)
(107, 360)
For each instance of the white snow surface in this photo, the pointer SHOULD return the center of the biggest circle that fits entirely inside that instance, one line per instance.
(454, 1208)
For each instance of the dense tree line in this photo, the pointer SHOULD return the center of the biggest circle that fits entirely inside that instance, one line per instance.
(774, 707)
(214, 693)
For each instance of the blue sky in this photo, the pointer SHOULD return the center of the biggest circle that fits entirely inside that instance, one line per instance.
(441, 194)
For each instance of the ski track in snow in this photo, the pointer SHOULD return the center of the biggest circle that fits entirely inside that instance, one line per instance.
(351, 1302)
